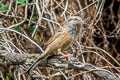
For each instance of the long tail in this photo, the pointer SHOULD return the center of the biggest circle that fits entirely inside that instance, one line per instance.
(43, 55)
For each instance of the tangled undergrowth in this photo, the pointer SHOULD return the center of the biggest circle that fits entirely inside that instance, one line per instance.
(25, 27)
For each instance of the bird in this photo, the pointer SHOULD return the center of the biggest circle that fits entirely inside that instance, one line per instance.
(61, 40)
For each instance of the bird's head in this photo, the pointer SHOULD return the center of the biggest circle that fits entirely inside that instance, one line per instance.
(71, 25)
(74, 20)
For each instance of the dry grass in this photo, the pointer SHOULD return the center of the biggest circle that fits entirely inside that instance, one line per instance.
(26, 29)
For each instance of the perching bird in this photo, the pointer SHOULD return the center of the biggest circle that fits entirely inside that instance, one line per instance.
(60, 40)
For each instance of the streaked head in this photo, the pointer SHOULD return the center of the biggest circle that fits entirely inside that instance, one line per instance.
(72, 24)
(75, 20)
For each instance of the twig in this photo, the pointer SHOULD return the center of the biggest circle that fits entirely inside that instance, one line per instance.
(10, 6)
(87, 7)
(23, 36)
(72, 63)
(23, 19)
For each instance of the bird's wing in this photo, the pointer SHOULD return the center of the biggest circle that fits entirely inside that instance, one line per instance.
(56, 35)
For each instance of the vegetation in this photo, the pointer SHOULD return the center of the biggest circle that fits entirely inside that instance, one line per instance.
(26, 26)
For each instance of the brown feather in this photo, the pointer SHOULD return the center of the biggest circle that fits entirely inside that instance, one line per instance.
(60, 40)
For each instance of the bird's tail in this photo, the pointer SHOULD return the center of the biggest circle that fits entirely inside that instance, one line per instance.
(43, 55)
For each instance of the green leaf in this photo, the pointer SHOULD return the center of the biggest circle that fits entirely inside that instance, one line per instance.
(31, 28)
(17, 29)
(21, 2)
(1, 41)
(34, 18)
(39, 39)
(10, 76)
(3, 8)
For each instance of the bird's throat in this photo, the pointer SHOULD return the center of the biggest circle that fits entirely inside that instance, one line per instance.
(72, 30)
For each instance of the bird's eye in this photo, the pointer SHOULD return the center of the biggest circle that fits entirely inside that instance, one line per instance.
(76, 19)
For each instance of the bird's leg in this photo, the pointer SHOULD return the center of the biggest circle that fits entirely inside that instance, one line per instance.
(65, 55)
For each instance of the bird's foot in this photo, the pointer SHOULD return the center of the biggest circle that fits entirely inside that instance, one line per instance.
(65, 55)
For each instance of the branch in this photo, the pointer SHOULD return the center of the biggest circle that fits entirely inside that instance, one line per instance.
(57, 62)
